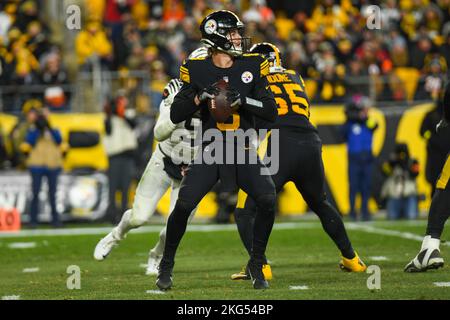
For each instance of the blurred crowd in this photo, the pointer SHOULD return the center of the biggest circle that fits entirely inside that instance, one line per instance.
(328, 41)
(28, 58)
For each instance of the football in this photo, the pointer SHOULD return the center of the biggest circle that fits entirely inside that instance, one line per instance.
(219, 107)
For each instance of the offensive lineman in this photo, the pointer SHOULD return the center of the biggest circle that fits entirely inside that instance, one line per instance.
(160, 174)
(300, 162)
(245, 74)
(429, 256)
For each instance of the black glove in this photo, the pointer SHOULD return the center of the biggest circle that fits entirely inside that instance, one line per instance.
(208, 92)
(441, 125)
(234, 98)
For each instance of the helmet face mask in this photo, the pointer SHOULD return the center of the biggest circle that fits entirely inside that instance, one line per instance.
(224, 31)
(271, 53)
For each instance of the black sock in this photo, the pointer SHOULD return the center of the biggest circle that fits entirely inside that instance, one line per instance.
(261, 232)
(334, 227)
(439, 212)
(245, 220)
(176, 227)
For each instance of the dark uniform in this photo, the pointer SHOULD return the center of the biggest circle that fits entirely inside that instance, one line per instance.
(440, 204)
(246, 75)
(429, 256)
(300, 161)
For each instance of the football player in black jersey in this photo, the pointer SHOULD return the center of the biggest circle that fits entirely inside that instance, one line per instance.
(300, 152)
(429, 256)
(249, 98)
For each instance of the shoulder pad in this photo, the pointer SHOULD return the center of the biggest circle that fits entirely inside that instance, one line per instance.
(198, 58)
(184, 72)
(264, 68)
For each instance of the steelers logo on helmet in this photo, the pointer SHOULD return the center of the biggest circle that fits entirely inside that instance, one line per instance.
(210, 26)
(247, 77)
(216, 31)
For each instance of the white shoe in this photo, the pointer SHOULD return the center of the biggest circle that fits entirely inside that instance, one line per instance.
(153, 264)
(425, 260)
(428, 258)
(105, 246)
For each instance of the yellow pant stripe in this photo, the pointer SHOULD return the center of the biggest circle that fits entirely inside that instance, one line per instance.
(242, 198)
(262, 149)
(445, 175)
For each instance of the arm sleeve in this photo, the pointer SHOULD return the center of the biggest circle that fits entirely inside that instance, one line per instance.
(108, 128)
(447, 102)
(164, 126)
(344, 130)
(262, 104)
(183, 105)
(32, 137)
(56, 135)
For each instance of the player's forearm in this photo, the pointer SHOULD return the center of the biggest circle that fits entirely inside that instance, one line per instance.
(163, 128)
(265, 108)
(183, 106)
(446, 103)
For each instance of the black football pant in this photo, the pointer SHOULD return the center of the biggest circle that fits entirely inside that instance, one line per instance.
(201, 178)
(440, 204)
(300, 162)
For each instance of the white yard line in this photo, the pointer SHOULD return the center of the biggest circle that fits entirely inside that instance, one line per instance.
(12, 297)
(365, 227)
(378, 258)
(146, 229)
(386, 232)
(154, 292)
(442, 284)
(298, 288)
(22, 245)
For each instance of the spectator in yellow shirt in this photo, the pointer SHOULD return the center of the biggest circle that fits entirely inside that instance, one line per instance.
(92, 44)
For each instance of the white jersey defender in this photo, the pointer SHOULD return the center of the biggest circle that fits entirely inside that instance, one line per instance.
(173, 143)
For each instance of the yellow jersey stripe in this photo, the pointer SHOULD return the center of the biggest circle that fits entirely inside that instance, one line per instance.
(264, 64)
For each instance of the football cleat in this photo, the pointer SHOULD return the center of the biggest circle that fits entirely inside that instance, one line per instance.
(105, 246)
(267, 271)
(152, 264)
(244, 273)
(352, 265)
(256, 274)
(164, 280)
(427, 259)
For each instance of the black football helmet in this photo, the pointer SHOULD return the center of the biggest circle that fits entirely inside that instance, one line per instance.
(271, 53)
(215, 29)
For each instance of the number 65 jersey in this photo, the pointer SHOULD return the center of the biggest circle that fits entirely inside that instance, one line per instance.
(293, 103)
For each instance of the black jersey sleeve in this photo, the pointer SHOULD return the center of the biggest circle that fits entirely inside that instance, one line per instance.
(262, 103)
(183, 105)
(446, 102)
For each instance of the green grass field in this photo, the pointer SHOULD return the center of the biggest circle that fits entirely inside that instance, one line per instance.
(300, 252)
